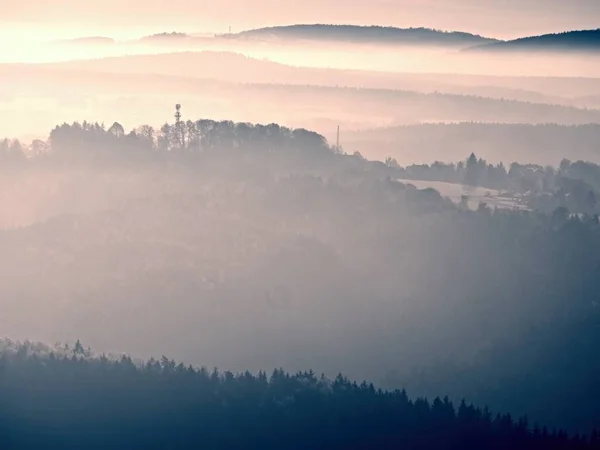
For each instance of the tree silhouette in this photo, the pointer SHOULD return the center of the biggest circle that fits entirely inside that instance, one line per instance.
(117, 130)
(116, 403)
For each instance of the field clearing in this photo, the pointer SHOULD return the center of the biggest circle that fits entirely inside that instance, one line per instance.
(476, 195)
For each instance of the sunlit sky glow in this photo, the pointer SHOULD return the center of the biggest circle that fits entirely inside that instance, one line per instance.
(55, 19)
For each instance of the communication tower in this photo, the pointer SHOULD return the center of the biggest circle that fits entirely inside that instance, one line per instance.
(177, 114)
(178, 124)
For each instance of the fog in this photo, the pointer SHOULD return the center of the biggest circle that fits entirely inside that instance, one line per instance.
(315, 85)
(445, 58)
(225, 269)
(244, 237)
(244, 247)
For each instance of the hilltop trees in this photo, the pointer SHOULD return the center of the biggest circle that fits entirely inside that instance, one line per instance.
(11, 154)
(92, 142)
(117, 130)
(472, 171)
(147, 134)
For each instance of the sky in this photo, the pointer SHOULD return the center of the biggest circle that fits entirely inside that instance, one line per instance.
(51, 19)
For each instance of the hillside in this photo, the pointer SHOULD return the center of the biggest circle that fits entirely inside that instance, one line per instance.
(334, 274)
(365, 35)
(542, 144)
(233, 66)
(259, 246)
(93, 402)
(583, 40)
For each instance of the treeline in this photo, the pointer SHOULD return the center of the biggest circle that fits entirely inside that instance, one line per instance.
(95, 143)
(573, 185)
(73, 402)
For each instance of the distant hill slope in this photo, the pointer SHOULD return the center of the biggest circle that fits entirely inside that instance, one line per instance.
(507, 142)
(229, 85)
(234, 66)
(366, 34)
(165, 35)
(174, 38)
(588, 40)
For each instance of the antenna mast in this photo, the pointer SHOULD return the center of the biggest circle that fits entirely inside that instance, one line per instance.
(178, 124)
(177, 113)
(337, 144)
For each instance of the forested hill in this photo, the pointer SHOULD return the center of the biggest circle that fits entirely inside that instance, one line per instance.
(97, 403)
(366, 34)
(252, 247)
(584, 40)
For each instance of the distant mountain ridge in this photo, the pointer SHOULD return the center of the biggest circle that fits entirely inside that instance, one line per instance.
(588, 40)
(585, 40)
(365, 34)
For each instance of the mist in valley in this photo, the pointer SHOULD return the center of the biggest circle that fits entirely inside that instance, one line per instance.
(247, 246)
(413, 208)
(293, 83)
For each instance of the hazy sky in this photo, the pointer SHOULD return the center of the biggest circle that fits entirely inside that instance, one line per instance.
(128, 18)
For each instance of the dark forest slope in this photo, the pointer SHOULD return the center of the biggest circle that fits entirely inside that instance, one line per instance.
(583, 40)
(96, 403)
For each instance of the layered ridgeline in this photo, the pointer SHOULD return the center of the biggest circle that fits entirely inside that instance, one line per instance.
(246, 246)
(224, 84)
(82, 401)
(365, 35)
(572, 40)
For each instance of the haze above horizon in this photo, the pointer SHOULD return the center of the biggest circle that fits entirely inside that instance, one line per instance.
(60, 19)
